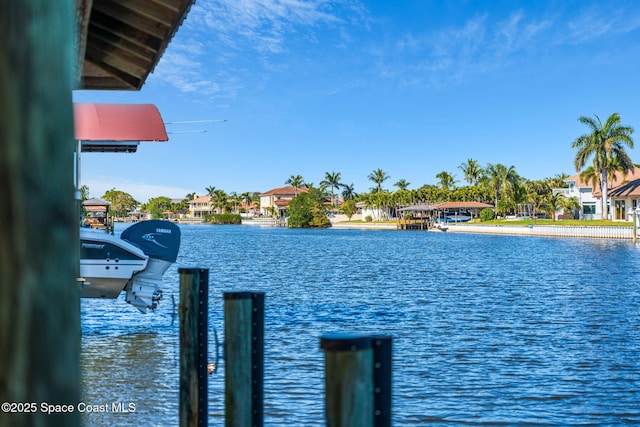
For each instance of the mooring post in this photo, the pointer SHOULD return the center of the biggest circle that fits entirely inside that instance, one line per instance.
(244, 358)
(193, 311)
(39, 247)
(382, 351)
(349, 363)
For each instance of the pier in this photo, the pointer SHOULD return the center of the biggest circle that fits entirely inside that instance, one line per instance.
(414, 223)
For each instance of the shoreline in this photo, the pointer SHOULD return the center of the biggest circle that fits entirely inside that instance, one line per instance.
(597, 232)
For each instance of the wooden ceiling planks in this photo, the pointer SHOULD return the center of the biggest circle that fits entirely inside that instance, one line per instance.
(125, 39)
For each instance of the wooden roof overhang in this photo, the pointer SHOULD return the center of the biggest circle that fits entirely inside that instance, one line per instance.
(119, 42)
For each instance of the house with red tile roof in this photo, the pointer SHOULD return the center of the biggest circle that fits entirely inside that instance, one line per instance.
(623, 194)
(199, 207)
(278, 199)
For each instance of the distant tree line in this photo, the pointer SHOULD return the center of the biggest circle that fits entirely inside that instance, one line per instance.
(495, 183)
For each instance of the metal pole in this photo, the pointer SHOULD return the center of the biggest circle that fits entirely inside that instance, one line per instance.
(194, 291)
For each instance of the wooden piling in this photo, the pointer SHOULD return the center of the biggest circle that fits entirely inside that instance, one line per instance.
(194, 291)
(39, 298)
(382, 352)
(244, 358)
(349, 399)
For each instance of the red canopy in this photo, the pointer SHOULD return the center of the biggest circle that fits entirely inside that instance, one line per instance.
(108, 124)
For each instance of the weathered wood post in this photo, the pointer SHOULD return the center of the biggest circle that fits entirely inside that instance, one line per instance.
(244, 358)
(357, 380)
(194, 292)
(382, 355)
(348, 380)
(39, 298)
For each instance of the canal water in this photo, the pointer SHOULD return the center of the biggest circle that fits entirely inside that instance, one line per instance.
(487, 330)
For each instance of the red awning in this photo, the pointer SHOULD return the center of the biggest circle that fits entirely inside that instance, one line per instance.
(109, 124)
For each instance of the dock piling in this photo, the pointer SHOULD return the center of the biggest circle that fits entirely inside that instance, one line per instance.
(244, 358)
(357, 380)
(194, 294)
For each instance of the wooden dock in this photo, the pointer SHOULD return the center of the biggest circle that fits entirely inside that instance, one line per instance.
(414, 224)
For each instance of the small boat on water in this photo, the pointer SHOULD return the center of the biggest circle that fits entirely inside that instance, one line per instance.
(134, 263)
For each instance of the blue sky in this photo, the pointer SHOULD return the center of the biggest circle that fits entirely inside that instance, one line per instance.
(411, 87)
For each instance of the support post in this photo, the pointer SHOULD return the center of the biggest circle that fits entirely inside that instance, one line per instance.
(244, 358)
(194, 292)
(349, 360)
(382, 352)
(39, 296)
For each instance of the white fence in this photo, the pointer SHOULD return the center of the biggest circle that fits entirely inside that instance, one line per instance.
(596, 232)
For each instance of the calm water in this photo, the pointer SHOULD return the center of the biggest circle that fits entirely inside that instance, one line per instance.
(488, 330)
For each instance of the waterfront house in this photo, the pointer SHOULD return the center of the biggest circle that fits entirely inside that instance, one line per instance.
(624, 195)
(278, 199)
(583, 192)
(199, 207)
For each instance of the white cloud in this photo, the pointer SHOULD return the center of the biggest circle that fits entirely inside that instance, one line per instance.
(221, 41)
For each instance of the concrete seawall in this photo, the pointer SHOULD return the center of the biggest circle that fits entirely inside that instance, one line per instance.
(596, 232)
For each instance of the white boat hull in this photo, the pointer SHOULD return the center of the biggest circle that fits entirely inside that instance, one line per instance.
(134, 263)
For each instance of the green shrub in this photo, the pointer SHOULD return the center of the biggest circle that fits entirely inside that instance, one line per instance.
(226, 219)
(487, 214)
(368, 218)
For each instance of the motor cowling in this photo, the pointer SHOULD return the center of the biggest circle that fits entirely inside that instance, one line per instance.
(160, 240)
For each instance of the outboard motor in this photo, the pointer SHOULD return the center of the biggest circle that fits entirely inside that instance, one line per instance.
(160, 241)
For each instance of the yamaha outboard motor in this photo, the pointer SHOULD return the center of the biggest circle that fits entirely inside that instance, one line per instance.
(160, 241)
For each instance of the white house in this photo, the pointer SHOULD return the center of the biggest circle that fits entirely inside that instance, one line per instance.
(279, 199)
(583, 192)
(623, 194)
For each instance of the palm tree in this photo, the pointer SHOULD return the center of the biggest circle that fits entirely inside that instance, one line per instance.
(472, 171)
(296, 181)
(447, 181)
(246, 198)
(378, 176)
(403, 184)
(349, 191)
(605, 143)
(331, 181)
(553, 202)
(233, 198)
(558, 181)
(500, 178)
(211, 191)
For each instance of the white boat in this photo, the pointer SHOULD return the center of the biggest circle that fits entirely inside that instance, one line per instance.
(133, 263)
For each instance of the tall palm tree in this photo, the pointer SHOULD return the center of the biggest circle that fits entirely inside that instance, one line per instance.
(296, 181)
(501, 178)
(331, 181)
(378, 176)
(402, 184)
(605, 143)
(211, 192)
(246, 198)
(446, 180)
(472, 171)
(349, 191)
